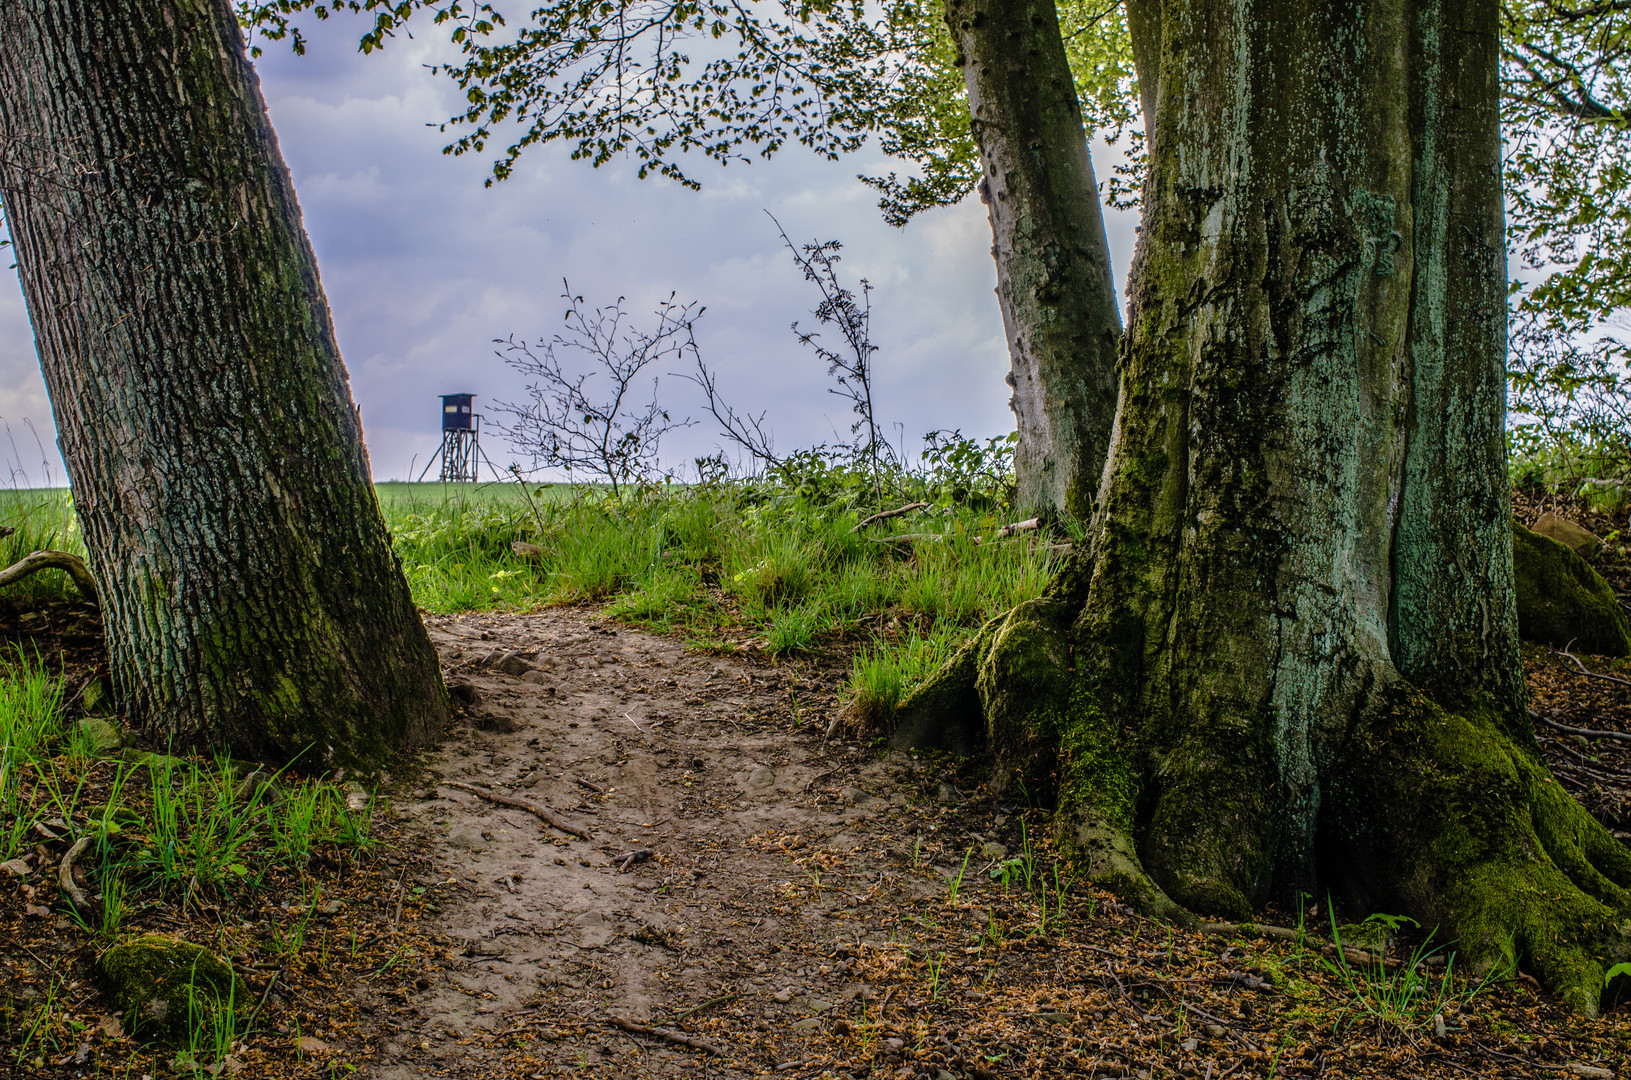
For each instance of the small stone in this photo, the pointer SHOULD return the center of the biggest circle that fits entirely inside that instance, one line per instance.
(1189, 1045)
(762, 778)
(1564, 531)
(818, 1005)
(782, 996)
(945, 793)
(101, 736)
(468, 837)
(808, 1026)
(993, 850)
(1055, 1017)
(1214, 1031)
(15, 868)
(330, 907)
(534, 676)
(512, 664)
(894, 1045)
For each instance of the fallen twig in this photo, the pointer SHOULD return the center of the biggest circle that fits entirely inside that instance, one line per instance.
(885, 515)
(629, 858)
(1019, 526)
(535, 809)
(1589, 733)
(581, 782)
(73, 565)
(710, 1003)
(1588, 673)
(65, 876)
(262, 1003)
(665, 1033)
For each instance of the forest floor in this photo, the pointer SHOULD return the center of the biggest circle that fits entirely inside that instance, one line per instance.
(778, 904)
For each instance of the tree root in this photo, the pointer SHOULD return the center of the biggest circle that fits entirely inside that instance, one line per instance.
(1474, 835)
(664, 1033)
(72, 564)
(65, 877)
(536, 809)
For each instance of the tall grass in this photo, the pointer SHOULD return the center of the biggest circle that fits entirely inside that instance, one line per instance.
(42, 519)
(778, 557)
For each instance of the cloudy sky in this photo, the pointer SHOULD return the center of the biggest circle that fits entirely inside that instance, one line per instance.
(424, 267)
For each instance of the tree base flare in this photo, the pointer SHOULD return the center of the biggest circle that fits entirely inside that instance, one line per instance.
(1450, 817)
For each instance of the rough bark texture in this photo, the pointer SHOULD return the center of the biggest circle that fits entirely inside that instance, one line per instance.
(1290, 660)
(250, 595)
(1053, 263)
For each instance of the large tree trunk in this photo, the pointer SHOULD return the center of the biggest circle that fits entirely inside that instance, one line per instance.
(1053, 264)
(1290, 661)
(250, 595)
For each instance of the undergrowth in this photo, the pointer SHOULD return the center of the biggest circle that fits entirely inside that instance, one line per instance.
(163, 834)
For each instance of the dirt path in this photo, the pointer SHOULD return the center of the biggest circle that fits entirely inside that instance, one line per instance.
(717, 769)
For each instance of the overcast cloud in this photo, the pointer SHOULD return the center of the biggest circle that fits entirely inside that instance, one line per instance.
(423, 267)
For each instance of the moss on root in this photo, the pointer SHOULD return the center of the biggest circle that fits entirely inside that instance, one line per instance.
(1561, 599)
(1474, 835)
(944, 713)
(166, 985)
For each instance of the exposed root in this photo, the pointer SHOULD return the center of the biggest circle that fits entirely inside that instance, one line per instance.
(536, 809)
(71, 564)
(65, 877)
(1471, 833)
(665, 1033)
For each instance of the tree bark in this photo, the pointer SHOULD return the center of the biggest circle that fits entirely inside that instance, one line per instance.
(1289, 661)
(1053, 263)
(250, 596)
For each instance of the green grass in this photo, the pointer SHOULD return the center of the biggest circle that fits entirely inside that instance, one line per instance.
(781, 562)
(776, 560)
(44, 521)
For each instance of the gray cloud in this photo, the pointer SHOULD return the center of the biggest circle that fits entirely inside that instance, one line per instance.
(423, 267)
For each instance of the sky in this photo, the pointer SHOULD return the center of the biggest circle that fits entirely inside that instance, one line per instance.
(424, 267)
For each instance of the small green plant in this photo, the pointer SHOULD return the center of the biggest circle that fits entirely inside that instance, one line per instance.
(936, 963)
(1407, 997)
(956, 883)
(793, 630)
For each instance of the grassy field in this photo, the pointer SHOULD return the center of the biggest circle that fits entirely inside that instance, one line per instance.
(774, 564)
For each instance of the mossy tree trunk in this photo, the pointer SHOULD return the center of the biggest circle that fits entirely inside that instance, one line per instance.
(1289, 661)
(250, 595)
(1053, 263)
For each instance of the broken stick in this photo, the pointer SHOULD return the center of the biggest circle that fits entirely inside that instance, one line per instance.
(665, 1033)
(535, 809)
(885, 515)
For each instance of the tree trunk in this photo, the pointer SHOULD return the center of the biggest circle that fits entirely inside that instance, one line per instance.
(250, 596)
(1053, 264)
(1290, 661)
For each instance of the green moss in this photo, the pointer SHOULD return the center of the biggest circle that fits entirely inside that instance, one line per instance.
(1024, 684)
(1561, 599)
(166, 985)
(1483, 844)
(944, 712)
